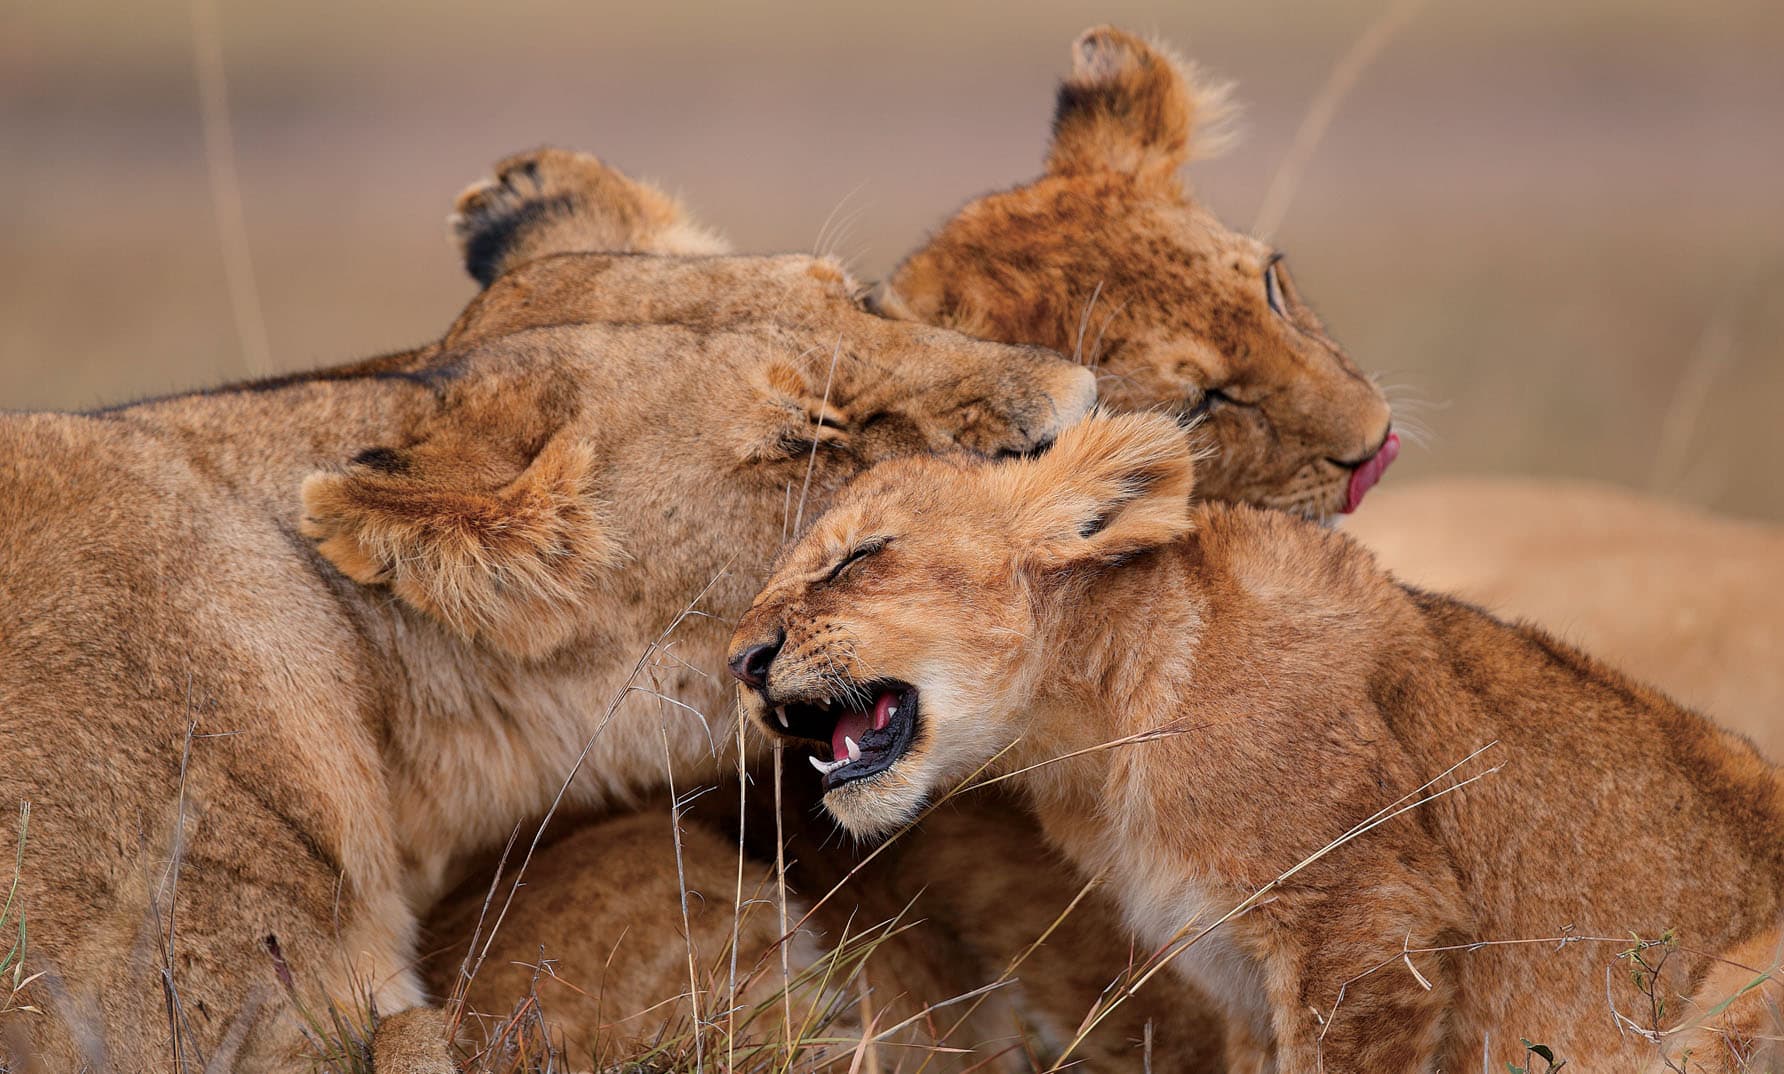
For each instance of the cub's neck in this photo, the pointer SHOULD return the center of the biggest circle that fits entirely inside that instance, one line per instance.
(1252, 616)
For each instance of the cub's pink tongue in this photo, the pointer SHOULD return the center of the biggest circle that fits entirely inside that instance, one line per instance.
(1365, 476)
(855, 723)
(852, 725)
(882, 710)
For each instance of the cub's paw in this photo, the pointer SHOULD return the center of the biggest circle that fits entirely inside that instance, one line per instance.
(412, 1042)
(554, 201)
(529, 204)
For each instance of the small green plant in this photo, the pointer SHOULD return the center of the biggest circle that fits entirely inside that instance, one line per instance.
(340, 1041)
(1646, 961)
(1533, 1052)
(12, 966)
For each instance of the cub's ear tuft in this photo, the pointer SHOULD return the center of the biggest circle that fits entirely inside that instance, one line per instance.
(1108, 488)
(553, 201)
(1131, 106)
(517, 565)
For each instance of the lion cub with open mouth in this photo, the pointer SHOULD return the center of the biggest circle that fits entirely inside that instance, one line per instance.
(1199, 702)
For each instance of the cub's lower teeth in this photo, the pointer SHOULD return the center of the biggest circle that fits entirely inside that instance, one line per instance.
(854, 750)
(826, 767)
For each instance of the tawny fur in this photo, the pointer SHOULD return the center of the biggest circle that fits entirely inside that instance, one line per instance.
(1045, 608)
(390, 670)
(624, 880)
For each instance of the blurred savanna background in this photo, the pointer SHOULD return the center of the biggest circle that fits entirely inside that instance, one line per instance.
(1558, 227)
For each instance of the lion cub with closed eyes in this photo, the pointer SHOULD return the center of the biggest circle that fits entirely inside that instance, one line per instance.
(1197, 700)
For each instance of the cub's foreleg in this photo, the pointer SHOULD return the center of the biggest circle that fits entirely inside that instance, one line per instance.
(1347, 988)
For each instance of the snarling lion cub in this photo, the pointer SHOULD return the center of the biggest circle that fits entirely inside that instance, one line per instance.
(273, 657)
(1106, 257)
(1218, 707)
(573, 909)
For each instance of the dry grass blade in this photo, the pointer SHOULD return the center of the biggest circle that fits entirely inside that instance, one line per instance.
(743, 785)
(1287, 179)
(1710, 358)
(226, 188)
(475, 956)
(811, 463)
(12, 964)
(1189, 935)
(165, 931)
(1138, 737)
(780, 884)
(681, 889)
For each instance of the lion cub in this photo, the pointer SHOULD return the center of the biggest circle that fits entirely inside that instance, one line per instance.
(1197, 700)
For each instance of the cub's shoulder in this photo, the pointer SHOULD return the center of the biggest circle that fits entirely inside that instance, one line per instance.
(1260, 544)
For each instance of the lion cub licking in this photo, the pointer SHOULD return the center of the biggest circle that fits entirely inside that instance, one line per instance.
(1201, 703)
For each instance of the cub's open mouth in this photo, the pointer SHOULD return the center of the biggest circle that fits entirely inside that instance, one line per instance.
(864, 732)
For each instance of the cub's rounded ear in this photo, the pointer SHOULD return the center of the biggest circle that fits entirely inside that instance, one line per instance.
(515, 563)
(1108, 488)
(553, 201)
(1131, 106)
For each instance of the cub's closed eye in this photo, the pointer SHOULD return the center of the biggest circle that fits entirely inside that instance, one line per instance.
(860, 552)
(1273, 287)
(1203, 405)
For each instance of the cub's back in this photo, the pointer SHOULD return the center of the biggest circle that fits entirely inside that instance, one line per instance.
(138, 591)
(1611, 811)
(82, 504)
(1614, 753)
(1599, 773)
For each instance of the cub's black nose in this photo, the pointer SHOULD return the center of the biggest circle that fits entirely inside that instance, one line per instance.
(751, 665)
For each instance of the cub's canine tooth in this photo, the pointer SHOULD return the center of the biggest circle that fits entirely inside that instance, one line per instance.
(854, 750)
(825, 767)
(780, 713)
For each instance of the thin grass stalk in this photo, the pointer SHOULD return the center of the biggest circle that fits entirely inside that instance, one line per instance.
(226, 188)
(811, 461)
(736, 901)
(780, 881)
(1362, 53)
(681, 887)
(469, 970)
(1183, 939)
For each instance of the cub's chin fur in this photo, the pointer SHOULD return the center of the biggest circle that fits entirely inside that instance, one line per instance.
(875, 807)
